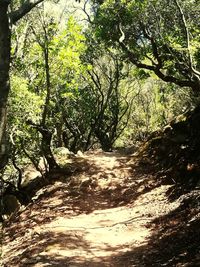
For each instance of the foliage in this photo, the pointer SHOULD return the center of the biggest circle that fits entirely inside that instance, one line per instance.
(53, 68)
(24, 106)
(94, 94)
(155, 105)
(157, 36)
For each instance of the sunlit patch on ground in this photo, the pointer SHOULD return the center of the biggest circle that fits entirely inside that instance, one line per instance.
(108, 232)
(83, 228)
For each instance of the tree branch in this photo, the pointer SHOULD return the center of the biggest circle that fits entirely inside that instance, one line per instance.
(172, 79)
(153, 45)
(23, 10)
(187, 36)
(157, 70)
(134, 60)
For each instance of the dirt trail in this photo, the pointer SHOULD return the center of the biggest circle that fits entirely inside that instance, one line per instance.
(98, 217)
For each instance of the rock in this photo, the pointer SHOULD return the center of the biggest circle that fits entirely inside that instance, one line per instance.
(86, 183)
(63, 151)
(79, 153)
(30, 175)
(43, 165)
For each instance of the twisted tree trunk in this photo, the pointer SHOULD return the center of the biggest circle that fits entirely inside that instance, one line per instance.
(5, 44)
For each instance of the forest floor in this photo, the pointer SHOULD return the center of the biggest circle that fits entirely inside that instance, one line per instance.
(111, 212)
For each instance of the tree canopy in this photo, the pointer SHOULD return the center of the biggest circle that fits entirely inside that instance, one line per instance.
(107, 83)
(157, 36)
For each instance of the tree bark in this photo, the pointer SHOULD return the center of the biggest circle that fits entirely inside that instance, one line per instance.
(46, 149)
(5, 44)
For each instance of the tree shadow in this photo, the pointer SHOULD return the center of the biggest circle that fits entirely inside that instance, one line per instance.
(64, 248)
(175, 240)
(64, 197)
(54, 249)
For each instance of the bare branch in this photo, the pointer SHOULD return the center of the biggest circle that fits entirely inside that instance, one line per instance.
(85, 11)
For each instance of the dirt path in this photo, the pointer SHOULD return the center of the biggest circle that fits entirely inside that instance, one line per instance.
(102, 216)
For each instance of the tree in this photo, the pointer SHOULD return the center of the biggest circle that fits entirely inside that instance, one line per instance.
(44, 39)
(7, 19)
(23, 106)
(51, 64)
(109, 97)
(157, 36)
(155, 104)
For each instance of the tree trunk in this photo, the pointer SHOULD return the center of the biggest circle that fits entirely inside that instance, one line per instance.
(59, 134)
(46, 150)
(48, 85)
(5, 44)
